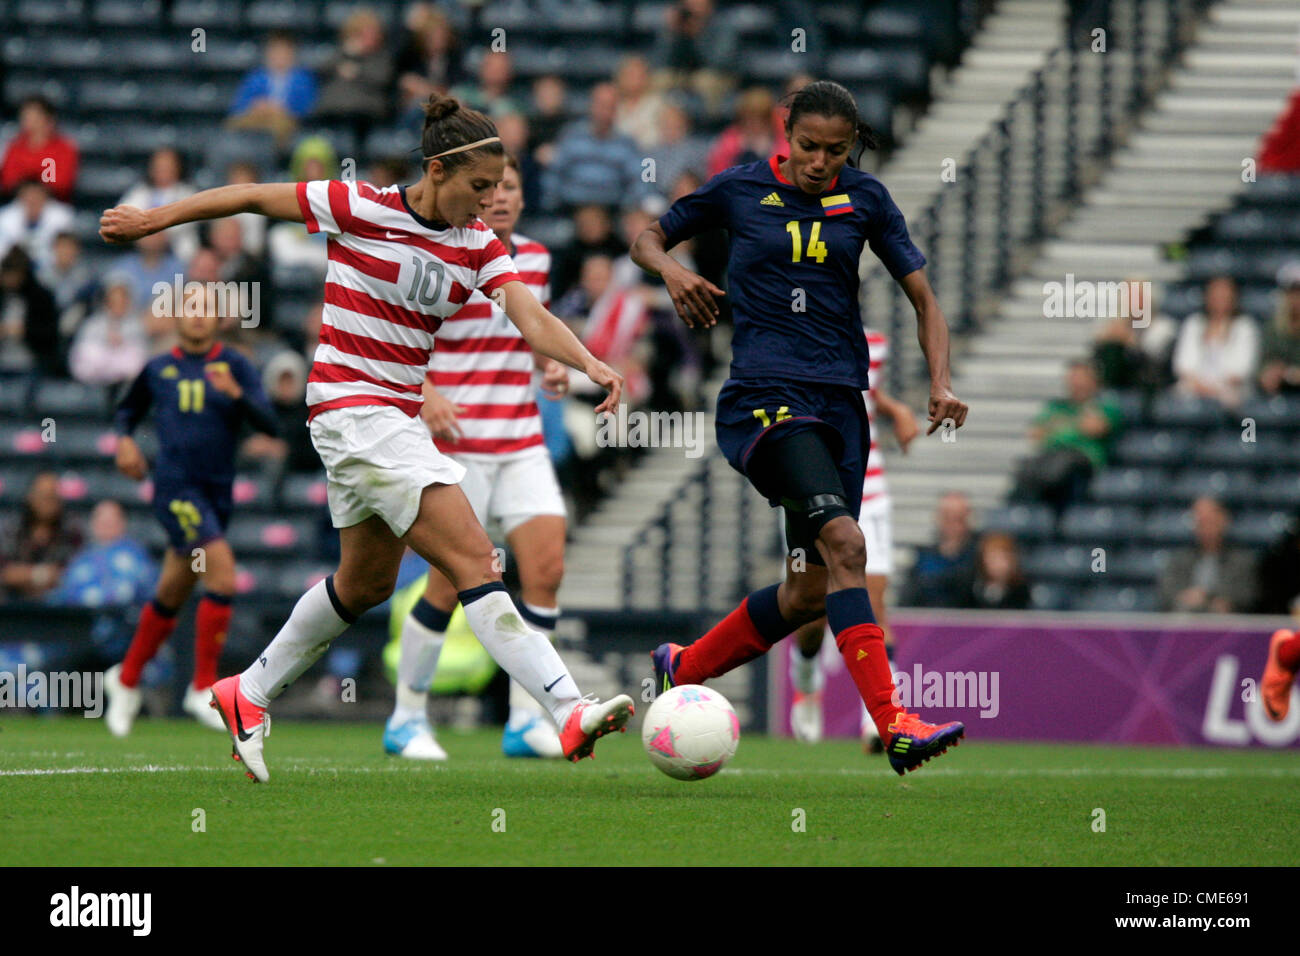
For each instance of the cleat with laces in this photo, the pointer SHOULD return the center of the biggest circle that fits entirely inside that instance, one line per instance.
(912, 741)
(248, 725)
(590, 720)
(1275, 685)
(665, 661)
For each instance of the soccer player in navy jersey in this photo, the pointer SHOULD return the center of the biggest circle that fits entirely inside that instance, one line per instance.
(201, 393)
(791, 418)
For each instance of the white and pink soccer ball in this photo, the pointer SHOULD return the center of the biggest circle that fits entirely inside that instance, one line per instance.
(690, 732)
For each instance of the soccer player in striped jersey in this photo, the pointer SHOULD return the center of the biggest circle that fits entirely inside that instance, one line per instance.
(479, 403)
(201, 392)
(401, 261)
(806, 672)
(791, 418)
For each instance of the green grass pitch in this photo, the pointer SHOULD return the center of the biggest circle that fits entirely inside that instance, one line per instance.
(72, 795)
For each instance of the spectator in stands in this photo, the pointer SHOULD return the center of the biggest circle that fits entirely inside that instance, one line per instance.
(943, 574)
(39, 152)
(1280, 356)
(749, 138)
(29, 322)
(696, 51)
(547, 116)
(359, 79)
(1134, 348)
(70, 281)
(225, 236)
(998, 583)
(1279, 574)
(277, 95)
(491, 95)
(389, 171)
(32, 221)
(679, 150)
(150, 262)
(285, 381)
(311, 323)
(288, 243)
(638, 111)
(112, 570)
(782, 111)
(1073, 437)
(513, 130)
(429, 61)
(593, 235)
(112, 345)
(1209, 577)
(36, 547)
(1217, 349)
(253, 225)
(165, 182)
(593, 163)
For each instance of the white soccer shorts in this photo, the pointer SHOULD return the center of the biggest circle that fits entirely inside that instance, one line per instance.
(378, 460)
(512, 489)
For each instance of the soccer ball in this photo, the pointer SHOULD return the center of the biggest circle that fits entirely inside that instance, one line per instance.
(690, 732)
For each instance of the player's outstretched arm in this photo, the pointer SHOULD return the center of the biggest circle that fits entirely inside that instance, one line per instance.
(932, 332)
(692, 295)
(276, 200)
(546, 334)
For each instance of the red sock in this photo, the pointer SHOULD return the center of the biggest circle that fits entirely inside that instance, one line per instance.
(155, 626)
(732, 642)
(210, 627)
(1288, 652)
(863, 648)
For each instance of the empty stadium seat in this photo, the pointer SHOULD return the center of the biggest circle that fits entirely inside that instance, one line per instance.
(1173, 409)
(1128, 485)
(1055, 562)
(1168, 526)
(1229, 487)
(1152, 447)
(1051, 596)
(1028, 522)
(1122, 599)
(1095, 523)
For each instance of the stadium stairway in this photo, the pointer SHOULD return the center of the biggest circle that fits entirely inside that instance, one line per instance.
(1182, 163)
(1011, 44)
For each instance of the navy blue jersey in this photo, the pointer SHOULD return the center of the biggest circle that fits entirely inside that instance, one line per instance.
(792, 250)
(197, 425)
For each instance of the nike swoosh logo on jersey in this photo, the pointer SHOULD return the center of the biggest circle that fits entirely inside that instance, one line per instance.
(394, 235)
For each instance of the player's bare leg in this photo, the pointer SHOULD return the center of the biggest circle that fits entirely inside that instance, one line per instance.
(156, 623)
(448, 536)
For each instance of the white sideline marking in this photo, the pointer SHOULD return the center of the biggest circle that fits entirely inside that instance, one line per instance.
(288, 767)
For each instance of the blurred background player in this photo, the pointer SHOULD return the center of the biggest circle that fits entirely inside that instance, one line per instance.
(201, 392)
(479, 404)
(401, 261)
(792, 418)
(1279, 673)
(806, 671)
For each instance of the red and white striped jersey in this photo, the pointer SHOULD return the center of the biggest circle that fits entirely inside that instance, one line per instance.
(873, 485)
(483, 364)
(392, 278)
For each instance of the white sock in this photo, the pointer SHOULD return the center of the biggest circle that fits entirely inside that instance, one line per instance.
(421, 646)
(522, 706)
(307, 635)
(806, 672)
(523, 652)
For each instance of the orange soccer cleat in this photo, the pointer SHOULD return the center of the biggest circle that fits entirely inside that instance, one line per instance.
(912, 741)
(590, 720)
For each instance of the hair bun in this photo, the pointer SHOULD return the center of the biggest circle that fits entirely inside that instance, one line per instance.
(439, 107)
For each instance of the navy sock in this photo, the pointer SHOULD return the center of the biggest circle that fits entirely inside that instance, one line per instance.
(848, 607)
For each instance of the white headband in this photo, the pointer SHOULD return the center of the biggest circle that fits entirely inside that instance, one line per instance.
(490, 139)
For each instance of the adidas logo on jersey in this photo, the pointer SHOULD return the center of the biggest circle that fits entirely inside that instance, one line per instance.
(771, 199)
